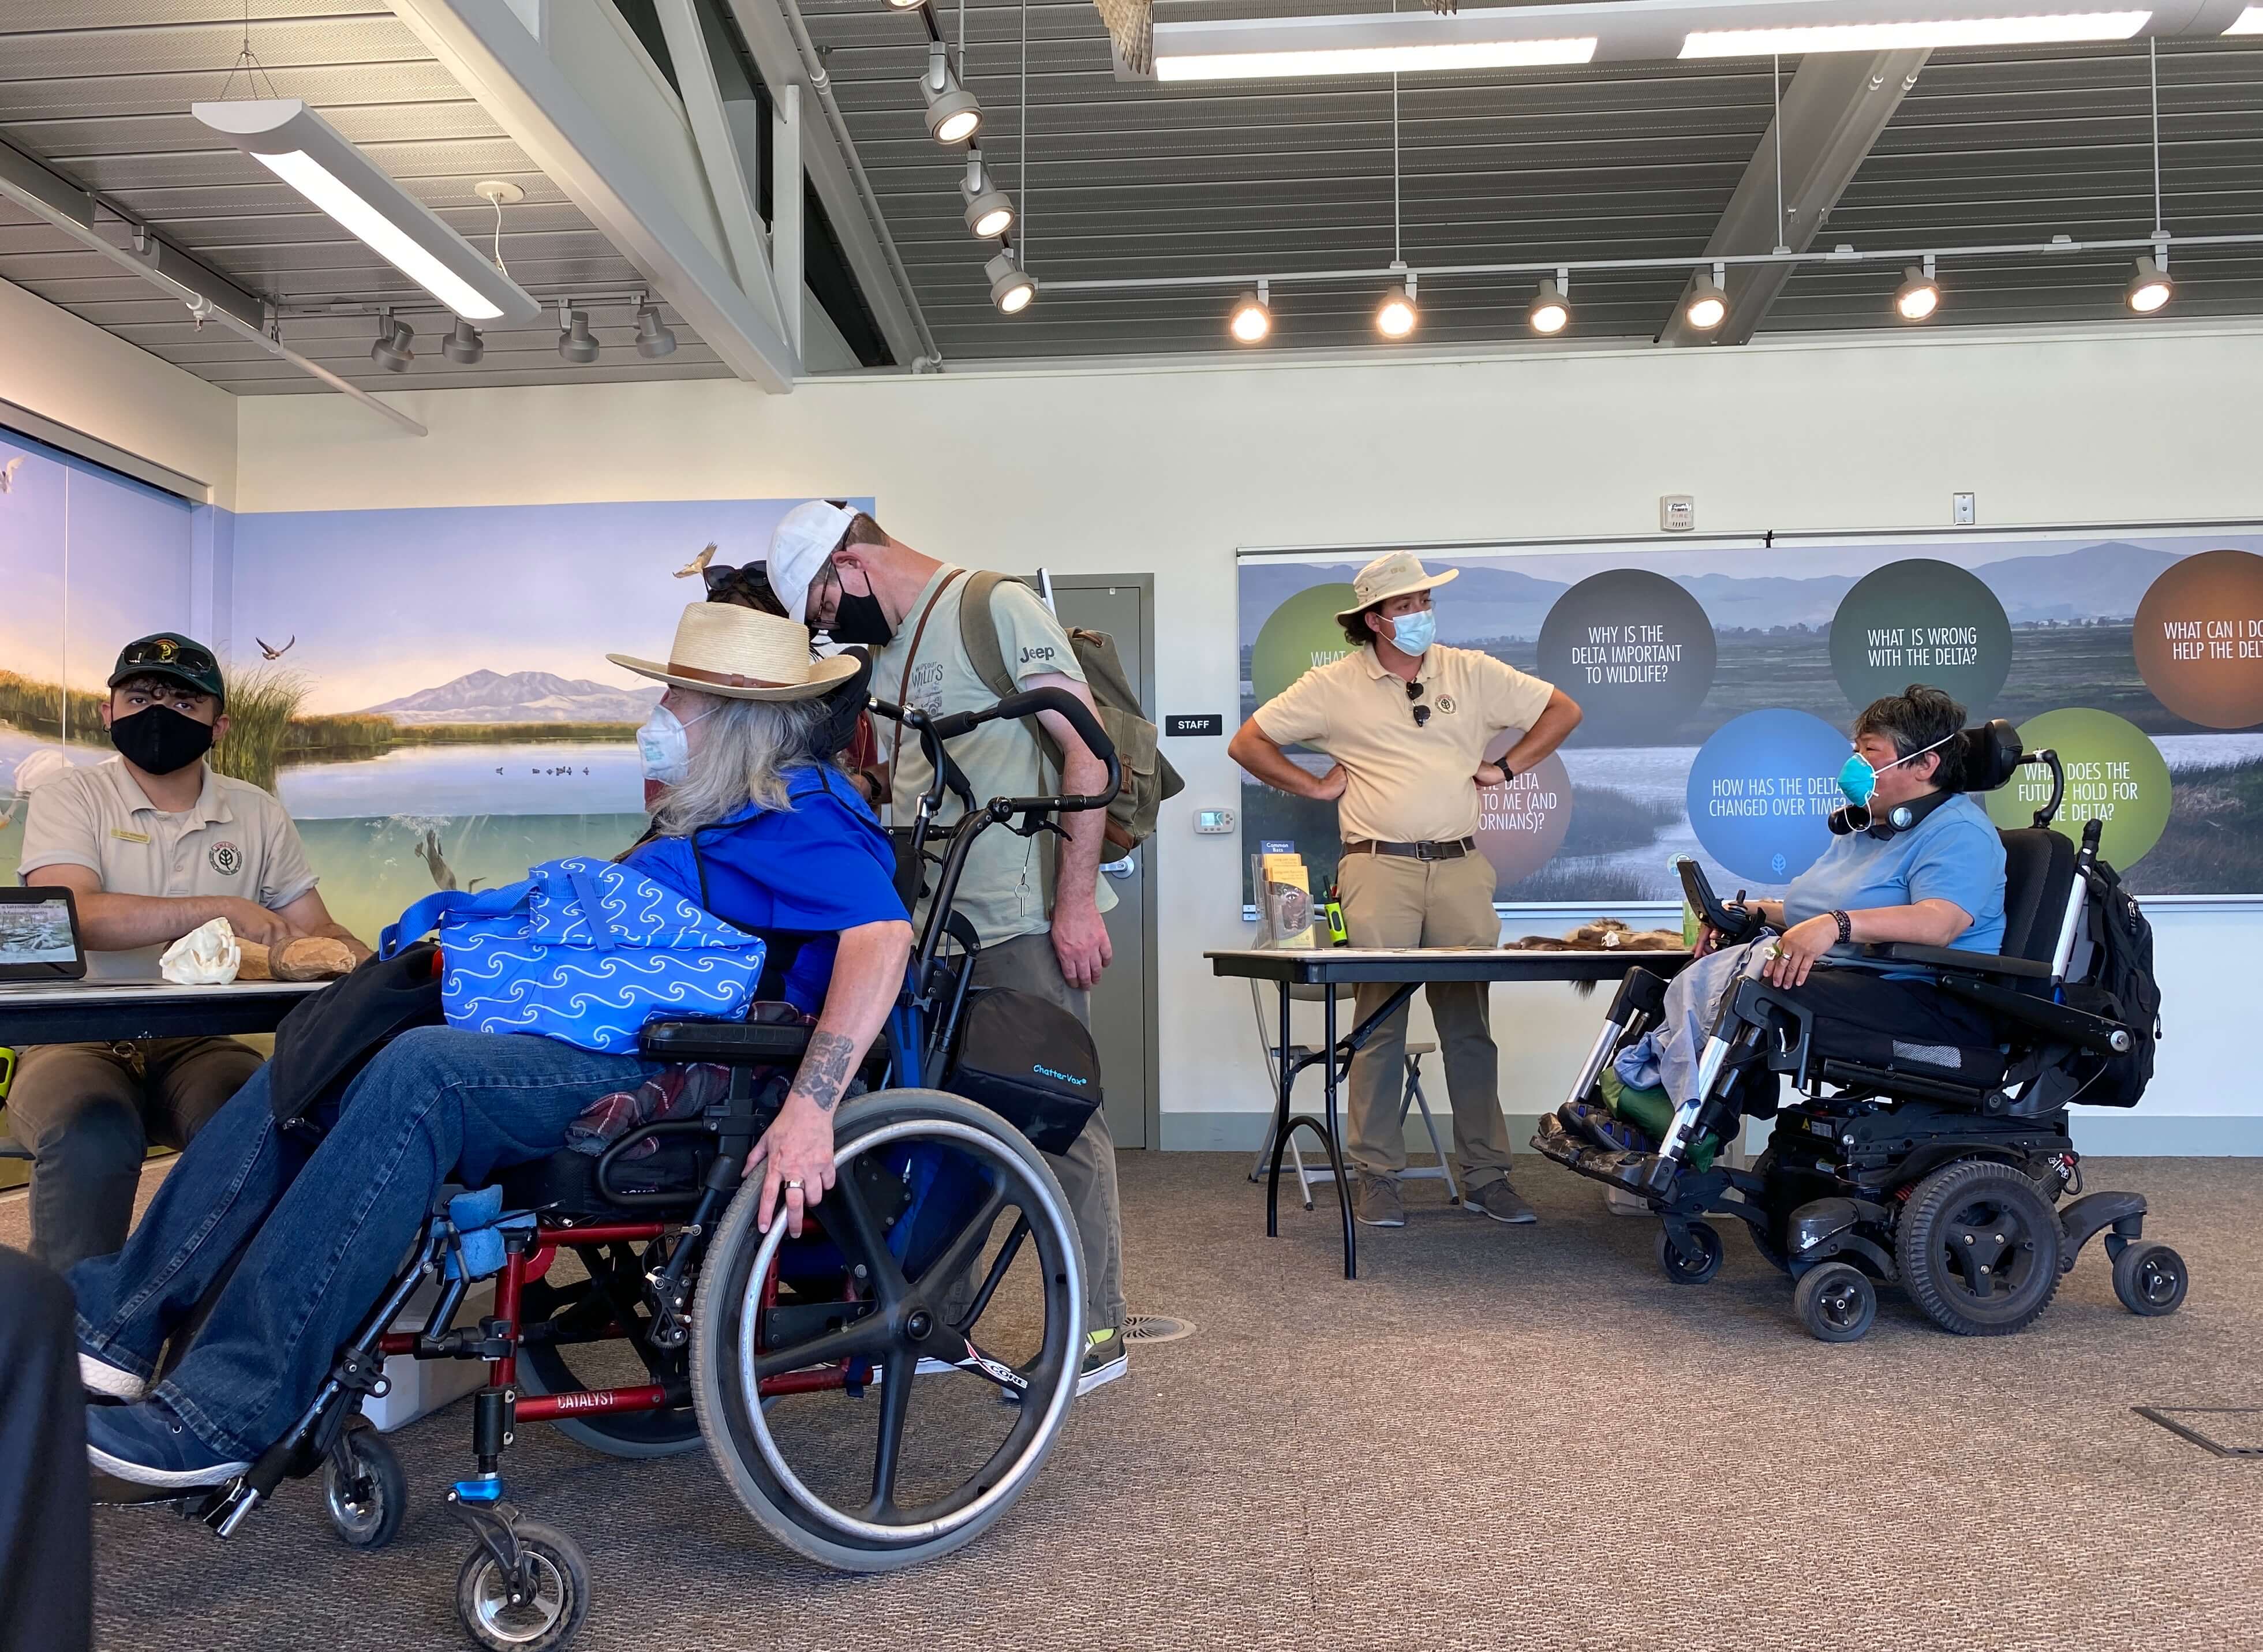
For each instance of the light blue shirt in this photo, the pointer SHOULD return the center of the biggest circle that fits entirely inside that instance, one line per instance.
(1953, 855)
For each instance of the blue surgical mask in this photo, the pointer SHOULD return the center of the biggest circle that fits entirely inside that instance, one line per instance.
(1858, 780)
(664, 747)
(1414, 633)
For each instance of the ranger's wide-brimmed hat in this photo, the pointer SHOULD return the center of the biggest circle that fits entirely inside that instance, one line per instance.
(1396, 573)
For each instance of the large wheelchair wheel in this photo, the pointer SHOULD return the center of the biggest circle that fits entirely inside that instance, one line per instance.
(1978, 1249)
(958, 1279)
(586, 1325)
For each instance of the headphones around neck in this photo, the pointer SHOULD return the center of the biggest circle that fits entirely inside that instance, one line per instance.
(1902, 817)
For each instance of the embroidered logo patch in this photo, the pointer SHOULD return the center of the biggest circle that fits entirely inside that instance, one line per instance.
(1446, 704)
(226, 858)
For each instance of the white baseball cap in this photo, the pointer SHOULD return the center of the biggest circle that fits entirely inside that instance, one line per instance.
(804, 537)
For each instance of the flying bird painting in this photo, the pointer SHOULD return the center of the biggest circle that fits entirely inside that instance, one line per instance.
(699, 564)
(8, 478)
(277, 654)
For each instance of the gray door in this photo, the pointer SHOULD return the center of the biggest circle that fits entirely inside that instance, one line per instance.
(1124, 1003)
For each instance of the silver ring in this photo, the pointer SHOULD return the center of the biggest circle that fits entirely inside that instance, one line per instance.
(792, 1183)
(1775, 951)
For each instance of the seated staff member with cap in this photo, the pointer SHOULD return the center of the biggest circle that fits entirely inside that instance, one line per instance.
(151, 846)
(1407, 722)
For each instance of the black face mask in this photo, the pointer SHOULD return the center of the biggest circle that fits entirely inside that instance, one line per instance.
(159, 741)
(860, 619)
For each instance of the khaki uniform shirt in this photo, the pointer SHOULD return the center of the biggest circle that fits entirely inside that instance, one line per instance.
(1003, 890)
(235, 840)
(1405, 784)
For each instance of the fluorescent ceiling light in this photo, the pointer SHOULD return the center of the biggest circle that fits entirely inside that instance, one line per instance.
(1894, 37)
(314, 158)
(2248, 22)
(1411, 58)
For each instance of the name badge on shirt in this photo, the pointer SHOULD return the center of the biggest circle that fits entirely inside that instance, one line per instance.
(124, 836)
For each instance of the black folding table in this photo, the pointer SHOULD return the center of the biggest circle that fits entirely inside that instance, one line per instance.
(1406, 967)
(106, 1012)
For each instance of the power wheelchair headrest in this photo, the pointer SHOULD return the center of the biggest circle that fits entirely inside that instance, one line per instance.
(1988, 756)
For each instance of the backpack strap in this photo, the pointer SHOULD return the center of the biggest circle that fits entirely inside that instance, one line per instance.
(904, 683)
(977, 634)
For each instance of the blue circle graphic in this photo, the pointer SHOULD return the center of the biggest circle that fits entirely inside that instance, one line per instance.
(1761, 790)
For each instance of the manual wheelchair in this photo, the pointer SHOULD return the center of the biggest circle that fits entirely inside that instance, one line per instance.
(639, 1309)
(1936, 1169)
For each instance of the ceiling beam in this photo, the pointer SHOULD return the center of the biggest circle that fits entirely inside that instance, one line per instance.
(495, 57)
(1832, 112)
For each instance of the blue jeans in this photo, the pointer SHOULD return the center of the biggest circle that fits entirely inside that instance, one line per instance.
(321, 1232)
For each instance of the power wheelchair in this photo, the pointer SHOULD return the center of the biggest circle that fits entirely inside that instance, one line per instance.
(1898, 1166)
(638, 1307)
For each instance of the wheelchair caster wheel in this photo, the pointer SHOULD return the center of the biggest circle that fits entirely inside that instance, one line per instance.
(1836, 1303)
(1697, 1263)
(2150, 1279)
(539, 1608)
(363, 1490)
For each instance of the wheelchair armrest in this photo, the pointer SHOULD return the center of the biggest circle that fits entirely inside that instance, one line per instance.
(1950, 958)
(2056, 1021)
(726, 1043)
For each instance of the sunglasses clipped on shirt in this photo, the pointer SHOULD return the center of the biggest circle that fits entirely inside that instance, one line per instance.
(1421, 712)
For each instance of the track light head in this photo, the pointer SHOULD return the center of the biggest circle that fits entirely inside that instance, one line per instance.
(1709, 303)
(1251, 320)
(2150, 287)
(575, 342)
(390, 351)
(954, 114)
(655, 337)
(1396, 316)
(1551, 311)
(989, 209)
(1919, 296)
(464, 346)
(1011, 290)
(906, 5)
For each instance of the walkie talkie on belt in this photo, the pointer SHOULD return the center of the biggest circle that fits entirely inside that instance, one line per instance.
(1332, 909)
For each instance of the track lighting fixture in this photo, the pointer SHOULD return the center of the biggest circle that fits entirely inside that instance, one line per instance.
(390, 351)
(1010, 288)
(575, 342)
(464, 346)
(954, 114)
(906, 5)
(1396, 316)
(1251, 320)
(1551, 311)
(1709, 302)
(655, 338)
(1919, 296)
(989, 209)
(2150, 287)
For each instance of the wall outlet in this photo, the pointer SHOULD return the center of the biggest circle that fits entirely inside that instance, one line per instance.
(1677, 513)
(1213, 822)
(1965, 509)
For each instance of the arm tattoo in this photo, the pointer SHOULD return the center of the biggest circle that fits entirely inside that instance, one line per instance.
(825, 1069)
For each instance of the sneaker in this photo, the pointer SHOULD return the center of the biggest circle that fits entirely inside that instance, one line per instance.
(98, 1377)
(146, 1445)
(1107, 1356)
(1375, 1201)
(1500, 1201)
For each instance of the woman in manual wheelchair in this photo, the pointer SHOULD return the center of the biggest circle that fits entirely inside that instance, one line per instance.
(651, 1298)
(1925, 1019)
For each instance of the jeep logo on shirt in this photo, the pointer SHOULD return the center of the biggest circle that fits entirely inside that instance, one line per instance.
(226, 858)
(1030, 654)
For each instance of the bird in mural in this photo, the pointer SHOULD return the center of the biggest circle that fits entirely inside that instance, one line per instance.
(277, 654)
(698, 564)
(8, 478)
(429, 852)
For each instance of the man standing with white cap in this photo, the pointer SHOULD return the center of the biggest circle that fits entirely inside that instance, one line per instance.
(1407, 722)
(1040, 929)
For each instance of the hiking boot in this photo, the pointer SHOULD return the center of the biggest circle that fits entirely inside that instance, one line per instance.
(1500, 1201)
(1375, 1201)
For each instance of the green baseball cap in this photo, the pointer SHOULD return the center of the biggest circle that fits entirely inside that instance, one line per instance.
(169, 654)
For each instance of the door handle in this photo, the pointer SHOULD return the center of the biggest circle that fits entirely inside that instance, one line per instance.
(1120, 869)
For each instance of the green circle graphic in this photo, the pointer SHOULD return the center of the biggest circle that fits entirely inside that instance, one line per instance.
(1920, 620)
(1297, 636)
(2113, 773)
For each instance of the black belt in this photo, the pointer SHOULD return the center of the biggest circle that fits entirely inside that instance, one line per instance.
(1449, 849)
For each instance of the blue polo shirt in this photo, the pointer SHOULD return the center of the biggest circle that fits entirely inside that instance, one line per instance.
(1953, 855)
(799, 876)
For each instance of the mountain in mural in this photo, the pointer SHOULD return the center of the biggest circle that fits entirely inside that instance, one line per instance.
(2099, 581)
(521, 696)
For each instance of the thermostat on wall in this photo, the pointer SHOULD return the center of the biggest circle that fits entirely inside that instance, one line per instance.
(1214, 820)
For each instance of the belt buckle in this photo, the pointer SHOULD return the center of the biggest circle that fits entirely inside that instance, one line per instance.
(1426, 851)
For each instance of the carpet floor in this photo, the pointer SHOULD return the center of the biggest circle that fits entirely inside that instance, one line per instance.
(1498, 1436)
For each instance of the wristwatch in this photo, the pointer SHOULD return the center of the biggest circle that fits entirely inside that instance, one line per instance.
(1846, 926)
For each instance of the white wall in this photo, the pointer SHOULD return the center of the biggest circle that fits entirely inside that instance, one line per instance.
(71, 371)
(1168, 470)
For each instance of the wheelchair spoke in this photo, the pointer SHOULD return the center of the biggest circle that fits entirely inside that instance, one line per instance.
(959, 1254)
(1006, 1252)
(888, 1448)
(863, 1337)
(887, 1274)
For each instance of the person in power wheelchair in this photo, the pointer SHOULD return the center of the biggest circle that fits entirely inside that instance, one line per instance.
(658, 1293)
(1935, 990)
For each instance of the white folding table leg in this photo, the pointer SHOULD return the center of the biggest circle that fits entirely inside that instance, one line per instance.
(1414, 1099)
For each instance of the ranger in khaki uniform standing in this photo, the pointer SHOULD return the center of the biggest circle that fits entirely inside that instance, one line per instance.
(151, 845)
(1407, 722)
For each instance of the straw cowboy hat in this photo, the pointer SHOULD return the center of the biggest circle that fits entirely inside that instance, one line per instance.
(1396, 573)
(743, 653)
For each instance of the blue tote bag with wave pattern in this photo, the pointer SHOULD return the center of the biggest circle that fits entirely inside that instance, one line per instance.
(584, 952)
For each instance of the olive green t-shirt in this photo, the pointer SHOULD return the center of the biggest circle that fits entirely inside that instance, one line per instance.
(1001, 892)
